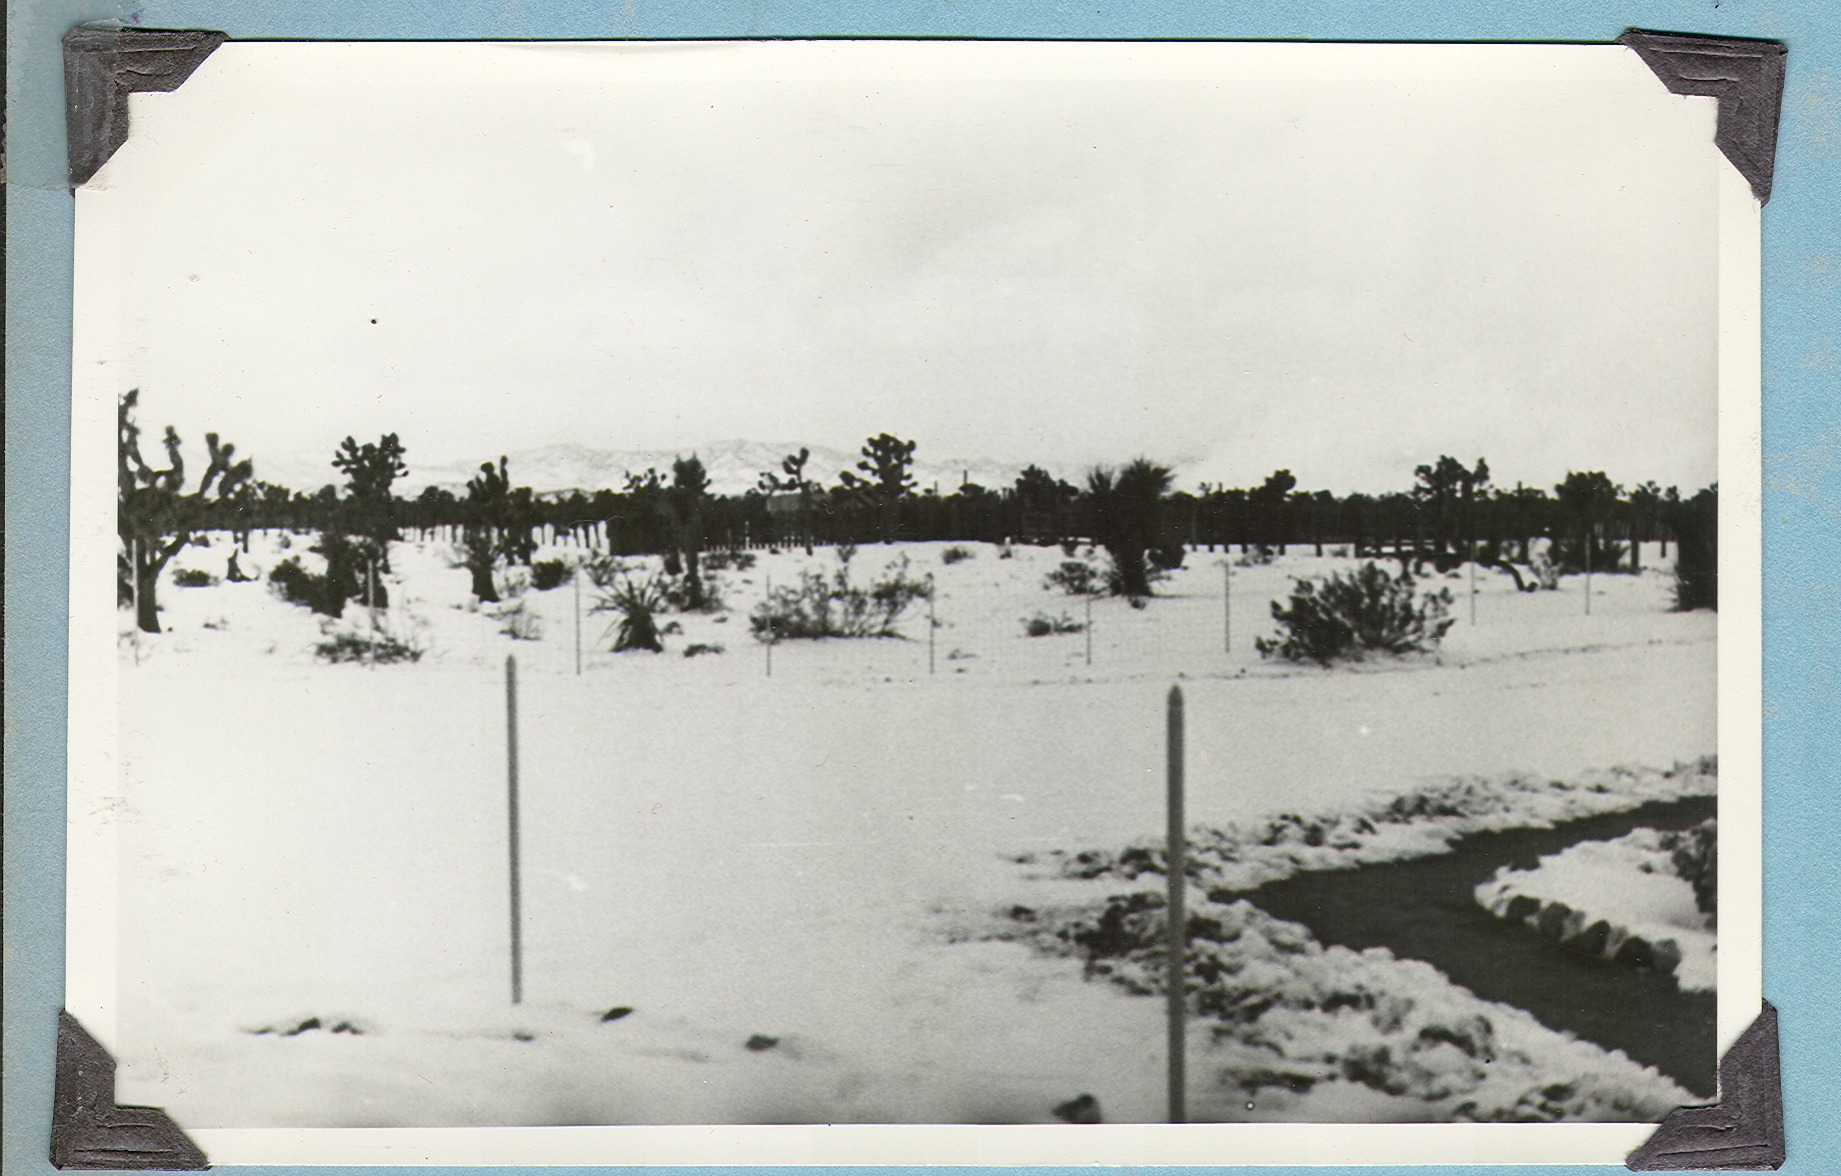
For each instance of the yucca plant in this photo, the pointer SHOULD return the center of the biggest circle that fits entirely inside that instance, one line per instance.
(638, 603)
(1127, 509)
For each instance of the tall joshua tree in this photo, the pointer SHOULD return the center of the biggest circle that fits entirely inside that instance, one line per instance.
(367, 511)
(884, 478)
(793, 469)
(1127, 511)
(1267, 505)
(1449, 489)
(155, 515)
(488, 497)
(690, 486)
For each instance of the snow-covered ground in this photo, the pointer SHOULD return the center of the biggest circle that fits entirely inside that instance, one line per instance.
(1629, 886)
(737, 857)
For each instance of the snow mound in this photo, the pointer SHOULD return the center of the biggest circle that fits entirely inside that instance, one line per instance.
(1620, 899)
(1244, 855)
(1326, 1033)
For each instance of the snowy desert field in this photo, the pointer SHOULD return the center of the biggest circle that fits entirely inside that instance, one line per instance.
(803, 888)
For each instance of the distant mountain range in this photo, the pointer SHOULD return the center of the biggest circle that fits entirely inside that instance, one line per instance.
(734, 467)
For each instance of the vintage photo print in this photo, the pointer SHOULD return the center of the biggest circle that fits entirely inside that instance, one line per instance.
(1027, 602)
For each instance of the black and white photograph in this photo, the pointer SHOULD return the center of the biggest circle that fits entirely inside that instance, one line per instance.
(960, 584)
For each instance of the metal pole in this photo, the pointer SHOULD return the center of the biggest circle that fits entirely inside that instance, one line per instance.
(511, 775)
(1473, 581)
(1176, 940)
(770, 626)
(576, 580)
(370, 604)
(1588, 570)
(1227, 606)
(931, 624)
(1089, 628)
(134, 593)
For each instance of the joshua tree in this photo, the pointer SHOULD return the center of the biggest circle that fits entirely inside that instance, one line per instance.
(1586, 501)
(1449, 489)
(885, 478)
(793, 467)
(154, 514)
(689, 488)
(368, 511)
(1127, 509)
(488, 502)
(1268, 507)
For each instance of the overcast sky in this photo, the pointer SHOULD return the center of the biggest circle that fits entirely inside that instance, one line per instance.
(1344, 262)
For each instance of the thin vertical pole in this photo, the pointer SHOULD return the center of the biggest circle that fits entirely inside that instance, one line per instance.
(1089, 628)
(1227, 606)
(511, 775)
(931, 624)
(1473, 581)
(1176, 941)
(576, 580)
(134, 593)
(370, 604)
(1588, 571)
(770, 626)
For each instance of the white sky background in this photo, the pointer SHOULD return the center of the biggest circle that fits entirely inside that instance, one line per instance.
(1341, 261)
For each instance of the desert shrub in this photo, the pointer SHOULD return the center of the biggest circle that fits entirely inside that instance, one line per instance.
(1694, 853)
(1077, 577)
(1043, 625)
(1168, 557)
(844, 552)
(1349, 616)
(954, 554)
(1006, 552)
(549, 573)
(1257, 557)
(833, 606)
(697, 648)
(679, 595)
(722, 561)
(637, 604)
(381, 649)
(193, 578)
(519, 623)
(1546, 572)
(296, 585)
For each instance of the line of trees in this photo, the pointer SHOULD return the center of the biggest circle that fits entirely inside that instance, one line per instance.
(1452, 512)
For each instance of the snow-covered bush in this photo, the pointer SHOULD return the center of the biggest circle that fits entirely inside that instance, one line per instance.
(1167, 558)
(296, 585)
(637, 603)
(1694, 853)
(193, 578)
(1077, 577)
(1043, 625)
(1339, 617)
(682, 594)
(549, 573)
(380, 649)
(518, 622)
(720, 561)
(955, 554)
(833, 606)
